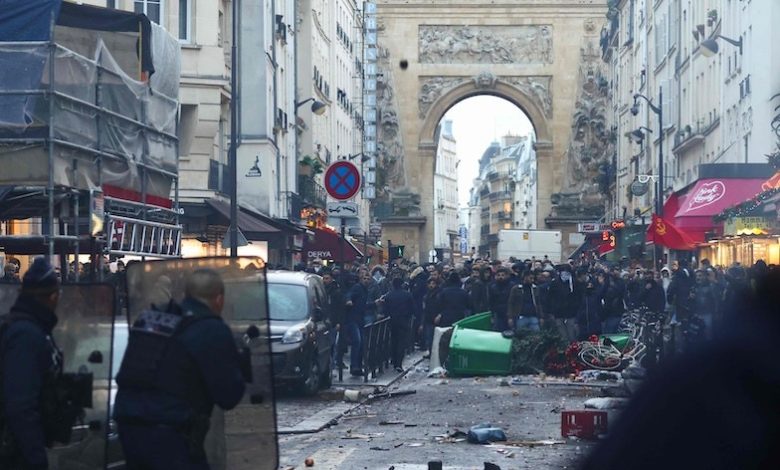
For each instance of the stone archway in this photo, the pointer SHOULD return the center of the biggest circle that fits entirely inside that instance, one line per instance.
(535, 55)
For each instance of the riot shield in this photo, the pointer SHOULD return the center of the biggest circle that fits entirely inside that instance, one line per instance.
(246, 436)
(84, 333)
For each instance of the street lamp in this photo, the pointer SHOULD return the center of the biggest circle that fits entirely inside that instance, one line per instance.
(710, 47)
(638, 136)
(657, 109)
(317, 107)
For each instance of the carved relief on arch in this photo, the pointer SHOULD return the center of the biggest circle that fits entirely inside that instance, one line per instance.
(537, 88)
(490, 44)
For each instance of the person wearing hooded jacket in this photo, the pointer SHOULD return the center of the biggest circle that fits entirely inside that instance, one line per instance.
(454, 302)
(652, 295)
(560, 303)
(478, 295)
(614, 305)
(30, 361)
(589, 293)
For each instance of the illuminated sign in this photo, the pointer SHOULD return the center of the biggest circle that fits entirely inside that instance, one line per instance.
(618, 224)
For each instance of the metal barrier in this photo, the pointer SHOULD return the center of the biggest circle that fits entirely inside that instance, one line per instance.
(377, 348)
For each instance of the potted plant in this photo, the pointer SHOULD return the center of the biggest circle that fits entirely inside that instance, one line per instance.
(306, 166)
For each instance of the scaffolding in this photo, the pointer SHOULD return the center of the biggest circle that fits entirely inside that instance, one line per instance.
(88, 153)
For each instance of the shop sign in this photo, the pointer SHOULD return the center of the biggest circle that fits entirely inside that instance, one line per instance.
(618, 224)
(747, 226)
(707, 194)
(592, 227)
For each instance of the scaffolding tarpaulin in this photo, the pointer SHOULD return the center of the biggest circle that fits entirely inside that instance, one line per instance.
(31, 20)
(97, 108)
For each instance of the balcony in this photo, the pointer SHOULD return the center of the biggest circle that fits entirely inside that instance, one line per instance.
(311, 192)
(294, 206)
(502, 215)
(500, 196)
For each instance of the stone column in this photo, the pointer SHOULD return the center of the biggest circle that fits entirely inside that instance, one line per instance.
(545, 182)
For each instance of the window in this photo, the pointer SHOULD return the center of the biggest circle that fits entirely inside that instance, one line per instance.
(151, 8)
(185, 20)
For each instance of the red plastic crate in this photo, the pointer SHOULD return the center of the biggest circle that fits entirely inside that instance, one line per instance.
(585, 424)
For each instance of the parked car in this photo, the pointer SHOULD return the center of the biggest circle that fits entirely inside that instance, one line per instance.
(302, 335)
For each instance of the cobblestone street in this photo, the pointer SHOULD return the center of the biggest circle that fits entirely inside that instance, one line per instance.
(405, 432)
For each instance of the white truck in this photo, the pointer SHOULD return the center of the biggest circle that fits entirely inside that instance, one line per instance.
(528, 244)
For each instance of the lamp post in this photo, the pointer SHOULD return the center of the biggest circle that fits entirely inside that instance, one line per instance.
(232, 153)
(658, 110)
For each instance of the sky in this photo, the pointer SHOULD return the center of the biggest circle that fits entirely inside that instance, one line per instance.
(476, 122)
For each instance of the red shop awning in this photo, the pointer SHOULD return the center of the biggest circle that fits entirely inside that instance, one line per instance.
(709, 197)
(328, 245)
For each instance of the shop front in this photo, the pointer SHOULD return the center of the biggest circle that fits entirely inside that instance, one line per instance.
(745, 240)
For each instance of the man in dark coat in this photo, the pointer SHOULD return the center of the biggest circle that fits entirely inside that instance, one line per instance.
(29, 361)
(522, 305)
(431, 309)
(161, 429)
(614, 302)
(704, 301)
(357, 303)
(560, 303)
(498, 294)
(398, 304)
(454, 304)
(652, 295)
(480, 300)
(589, 292)
(336, 309)
(678, 294)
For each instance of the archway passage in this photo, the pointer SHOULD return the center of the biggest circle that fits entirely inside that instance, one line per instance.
(484, 177)
(533, 55)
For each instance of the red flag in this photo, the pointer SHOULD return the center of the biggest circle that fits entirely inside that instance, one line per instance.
(666, 234)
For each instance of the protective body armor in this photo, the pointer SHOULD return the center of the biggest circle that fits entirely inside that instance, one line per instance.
(57, 416)
(155, 359)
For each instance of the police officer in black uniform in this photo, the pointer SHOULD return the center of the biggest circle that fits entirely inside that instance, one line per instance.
(30, 363)
(171, 379)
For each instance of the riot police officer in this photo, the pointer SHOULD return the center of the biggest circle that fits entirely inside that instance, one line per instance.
(177, 366)
(30, 363)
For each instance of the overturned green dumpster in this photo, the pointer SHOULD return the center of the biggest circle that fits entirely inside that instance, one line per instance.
(475, 349)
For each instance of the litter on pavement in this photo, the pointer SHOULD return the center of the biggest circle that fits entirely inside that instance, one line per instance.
(485, 433)
(605, 403)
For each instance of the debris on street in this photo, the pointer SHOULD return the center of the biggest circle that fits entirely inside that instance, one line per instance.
(485, 433)
(398, 393)
(606, 403)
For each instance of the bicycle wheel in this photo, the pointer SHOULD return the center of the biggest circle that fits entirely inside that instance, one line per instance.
(601, 357)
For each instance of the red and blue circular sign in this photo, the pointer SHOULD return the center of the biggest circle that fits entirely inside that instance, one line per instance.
(342, 180)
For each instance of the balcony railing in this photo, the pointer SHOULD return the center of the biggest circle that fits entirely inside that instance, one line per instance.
(312, 193)
(502, 215)
(500, 195)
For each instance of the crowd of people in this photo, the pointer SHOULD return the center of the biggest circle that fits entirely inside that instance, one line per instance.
(578, 298)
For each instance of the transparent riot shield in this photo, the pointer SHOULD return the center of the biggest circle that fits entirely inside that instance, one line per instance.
(84, 333)
(246, 436)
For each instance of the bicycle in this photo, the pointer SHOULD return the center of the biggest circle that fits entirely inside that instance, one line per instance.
(607, 356)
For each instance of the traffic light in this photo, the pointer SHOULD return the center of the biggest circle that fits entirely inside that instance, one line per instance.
(395, 251)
